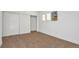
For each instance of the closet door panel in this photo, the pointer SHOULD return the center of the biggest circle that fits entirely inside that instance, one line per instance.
(24, 24)
(10, 24)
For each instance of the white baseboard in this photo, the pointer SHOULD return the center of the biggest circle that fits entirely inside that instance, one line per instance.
(60, 37)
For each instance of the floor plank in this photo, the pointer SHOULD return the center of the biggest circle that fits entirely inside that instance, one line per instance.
(36, 40)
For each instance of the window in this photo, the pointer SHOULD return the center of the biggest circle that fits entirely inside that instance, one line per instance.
(43, 17)
(49, 16)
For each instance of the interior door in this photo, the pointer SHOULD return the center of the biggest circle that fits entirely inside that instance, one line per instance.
(24, 24)
(33, 23)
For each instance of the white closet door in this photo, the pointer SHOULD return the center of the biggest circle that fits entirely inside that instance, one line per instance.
(10, 24)
(24, 24)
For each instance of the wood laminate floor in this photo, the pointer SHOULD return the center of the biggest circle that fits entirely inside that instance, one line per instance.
(36, 40)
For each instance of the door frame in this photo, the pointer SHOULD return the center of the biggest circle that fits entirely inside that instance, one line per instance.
(30, 22)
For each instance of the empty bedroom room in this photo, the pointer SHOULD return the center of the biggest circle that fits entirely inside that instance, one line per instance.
(39, 29)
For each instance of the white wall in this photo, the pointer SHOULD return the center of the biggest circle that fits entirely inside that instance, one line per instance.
(35, 13)
(67, 26)
(0, 28)
(16, 22)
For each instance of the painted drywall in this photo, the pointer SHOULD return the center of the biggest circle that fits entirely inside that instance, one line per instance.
(28, 13)
(24, 12)
(16, 22)
(67, 26)
(0, 28)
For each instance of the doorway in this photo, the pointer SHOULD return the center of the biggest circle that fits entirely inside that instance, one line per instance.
(33, 23)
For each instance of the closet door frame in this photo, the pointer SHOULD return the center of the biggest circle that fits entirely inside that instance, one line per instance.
(30, 22)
